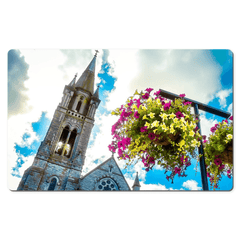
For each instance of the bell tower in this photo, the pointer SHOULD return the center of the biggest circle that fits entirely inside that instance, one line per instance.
(60, 157)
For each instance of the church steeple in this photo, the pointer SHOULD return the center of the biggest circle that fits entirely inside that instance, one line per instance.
(60, 158)
(136, 186)
(86, 80)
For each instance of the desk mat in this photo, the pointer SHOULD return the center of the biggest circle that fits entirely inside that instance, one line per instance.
(120, 120)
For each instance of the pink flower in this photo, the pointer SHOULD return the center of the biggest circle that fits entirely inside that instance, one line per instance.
(221, 167)
(177, 170)
(182, 95)
(130, 103)
(149, 90)
(120, 152)
(157, 93)
(136, 115)
(167, 177)
(228, 171)
(204, 137)
(187, 103)
(151, 136)
(126, 141)
(145, 96)
(121, 145)
(167, 106)
(231, 118)
(204, 141)
(151, 160)
(143, 129)
(218, 161)
(213, 129)
(147, 169)
(179, 115)
(208, 174)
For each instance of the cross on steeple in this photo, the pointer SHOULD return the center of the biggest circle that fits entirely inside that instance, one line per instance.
(96, 52)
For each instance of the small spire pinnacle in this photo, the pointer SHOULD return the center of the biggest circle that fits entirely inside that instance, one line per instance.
(73, 81)
(136, 185)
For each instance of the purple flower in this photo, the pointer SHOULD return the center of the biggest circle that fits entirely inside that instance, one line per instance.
(151, 160)
(149, 90)
(145, 96)
(130, 103)
(221, 167)
(182, 95)
(177, 170)
(143, 129)
(157, 93)
(121, 145)
(136, 115)
(204, 137)
(167, 106)
(151, 136)
(187, 103)
(218, 161)
(179, 115)
(208, 174)
(213, 129)
(147, 169)
(120, 152)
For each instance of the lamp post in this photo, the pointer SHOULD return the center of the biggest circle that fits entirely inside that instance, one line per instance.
(197, 105)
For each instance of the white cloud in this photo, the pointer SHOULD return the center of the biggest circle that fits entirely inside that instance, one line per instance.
(191, 185)
(222, 95)
(230, 108)
(192, 72)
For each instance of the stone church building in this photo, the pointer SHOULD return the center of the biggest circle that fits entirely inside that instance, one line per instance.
(60, 158)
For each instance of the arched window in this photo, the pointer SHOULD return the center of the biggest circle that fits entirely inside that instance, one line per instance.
(70, 144)
(79, 105)
(107, 184)
(62, 140)
(52, 184)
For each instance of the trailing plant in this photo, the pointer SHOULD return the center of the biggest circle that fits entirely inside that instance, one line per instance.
(156, 131)
(219, 152)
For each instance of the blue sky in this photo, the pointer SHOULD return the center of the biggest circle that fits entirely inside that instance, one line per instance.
(205, 76)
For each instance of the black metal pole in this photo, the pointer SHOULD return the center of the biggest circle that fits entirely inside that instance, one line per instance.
(202, 158)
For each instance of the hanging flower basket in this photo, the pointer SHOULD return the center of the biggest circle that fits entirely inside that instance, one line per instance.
(218, 151)
(155, 130)
(227, 155)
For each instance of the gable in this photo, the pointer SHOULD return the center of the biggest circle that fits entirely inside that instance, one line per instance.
(108, 170)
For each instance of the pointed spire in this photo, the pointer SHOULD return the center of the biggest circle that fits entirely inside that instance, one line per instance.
(73, 81)
(96, 94)
(86, 80)
(136, 185)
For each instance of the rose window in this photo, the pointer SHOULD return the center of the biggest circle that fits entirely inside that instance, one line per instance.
(107, 184)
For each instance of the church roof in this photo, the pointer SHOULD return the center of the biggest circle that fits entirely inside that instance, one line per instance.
(105, 166)
(86, 80)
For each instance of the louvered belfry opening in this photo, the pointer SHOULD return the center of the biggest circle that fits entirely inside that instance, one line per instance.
(71, 143)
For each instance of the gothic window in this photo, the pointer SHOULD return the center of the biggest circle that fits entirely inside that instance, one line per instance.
(79, 105)
(62, 140)
(70, 144)
(107, 184)
(52, 184)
